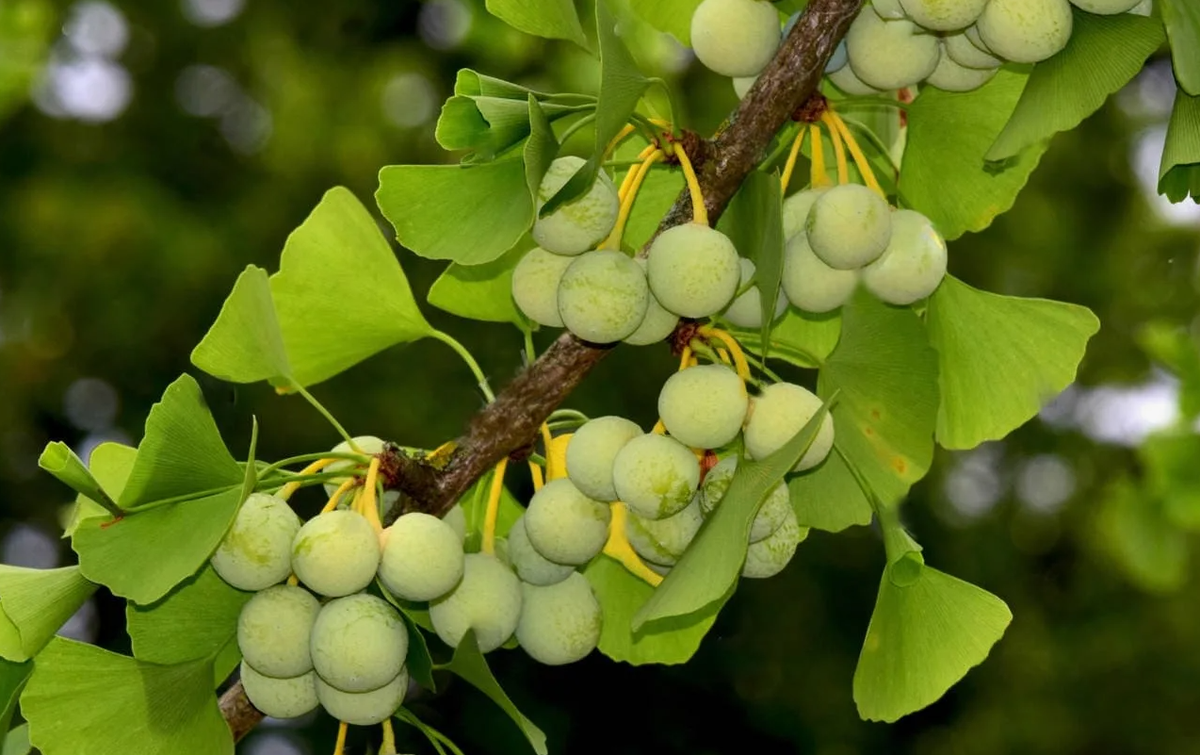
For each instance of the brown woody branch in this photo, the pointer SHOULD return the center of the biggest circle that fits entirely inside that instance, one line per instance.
(512, 421)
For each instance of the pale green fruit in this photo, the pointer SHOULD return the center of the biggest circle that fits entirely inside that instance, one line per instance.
(280, 698)
(890, 54)
(845, 80)
(422, 557)
(796, 209)
(457, 519)
(693, 270)
(358, 643)
(256, 552)
(745, 311)
(591, 452)
(559, 623)
(656, 476)
(336, 553)
(963, 51)
(742, 85)
(603, 296)
(777, 414)
(1026, 31)
(663, 541)
(578, 225)
(368, 444)
(274, 628)
(658, 569)
(531, 566)
(914, 263)
(771, 514)
(889, 9)
(564, 525)
(769, 556)
(703, 406)
(364, 708)
(735, 37)
(952, 77)
(535, 285)
(974, 37)
(1143, 8)
(943, 15)
(809, 283)
(658, 322)
(487, 599)
(849, 226)
(1106, 7)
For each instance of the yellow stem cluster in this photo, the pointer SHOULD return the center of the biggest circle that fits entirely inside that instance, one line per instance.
(790, 166)
(839, 150)
(629, 189)
(735, 349)
(493, 508)
(286, 491)
(699, 210)
(617, 547)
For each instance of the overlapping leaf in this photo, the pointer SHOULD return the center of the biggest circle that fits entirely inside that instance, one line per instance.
(829, 497)
(480, 292)
(555, 19)
(13, 677)
(110, 463)
(803, 339)
(671, 16)
(1182, 19)
(754, 222)
(35, 603)
(1179, 173)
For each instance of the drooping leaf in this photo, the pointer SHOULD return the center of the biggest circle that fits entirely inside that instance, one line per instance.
(59, 460)
(1103, 55)
(480, 292)
(245, 344)
(667, 642)
(800, 338)
(754, 222)
(1182, 19)
(829, 497)
(340, 294)
(35, 604)
(1134, 530)
(1001, 358)
(110, 463)
(944, 174)
(427, 205)
(621, 87)
(671, 16)
(16, 742)
(469, 664)
(197, 620)
(709, 568)
(13, 677)
(887, 375)
(555, 19)
(1179, 173)
(82, 700)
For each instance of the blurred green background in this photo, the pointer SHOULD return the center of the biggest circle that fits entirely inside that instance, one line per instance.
(150, 150)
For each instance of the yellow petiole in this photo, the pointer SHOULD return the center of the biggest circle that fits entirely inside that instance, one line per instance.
(535, 472)
(620, 137)
(370, 507)
(556, 457)
(618, 548)
(286, 491)
(699, 211)
(685, 358)
(388, 746)
(493, 508)
(790, 165)
(337, 495)
(614, 238)
(739, 357)
(839, 150)
(856, 152)
(340, 747)
(819, 176)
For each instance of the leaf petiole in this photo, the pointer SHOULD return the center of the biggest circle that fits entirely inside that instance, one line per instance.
(461, 350)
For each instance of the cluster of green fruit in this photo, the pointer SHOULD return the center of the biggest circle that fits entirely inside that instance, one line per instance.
(953, 45)
(838, 236)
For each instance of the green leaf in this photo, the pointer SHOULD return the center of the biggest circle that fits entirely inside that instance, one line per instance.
(437, 739)
(1001, 358)
(1103, 55)
(428, 204)
(474, 505)
(35, 604)
(887, 375)
(340, 294)
(800, 338)
(555, 19)
(1182, 19)
(13, 677)
(1172, 475)
(708, 570)
(27, 27)
(1179, 174)
(621, 594)
(16, 742)
(197, 620)
(245, 343)
(480, 292)
(944, 174)
(469, 664)
(673, 17)
(82, 700)
(488, 115)
(59, 460)
(754, 222)
(540, 148)
(621, 88)
(1174, 348)
(657, 194)
(829, 497)
(110, 463)
(1134, 530)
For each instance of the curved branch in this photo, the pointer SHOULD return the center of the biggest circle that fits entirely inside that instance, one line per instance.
(511, 422)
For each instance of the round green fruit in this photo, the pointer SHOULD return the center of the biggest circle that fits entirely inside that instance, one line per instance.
(811, 285)
(1026, 31)
(952, 77)
(663, 541)
(367, 444)
(940, 15)
(742, 85)
(256, 552)
(274, 629)
(890, 55)
(578, 225)
(771, 514)
(531, 566)
(703, 406)
(656, 476)
(559, 623)
(457, 519)
(769, 556)
(889, 9)
(796, 209)
(913, 265)
(564, 525)
(487, 599)
(849, 226)
(336, 553)
(745, 311)
(422, 557)
(603, 296)
(1105, 7)
(358, 643)
(658, 323)
(363, 708)
(535, 285)
(777, 414)
(963, 51)
(280, 698)
(735, 37)
(693, 270)
(845, 80)
(591, 452)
